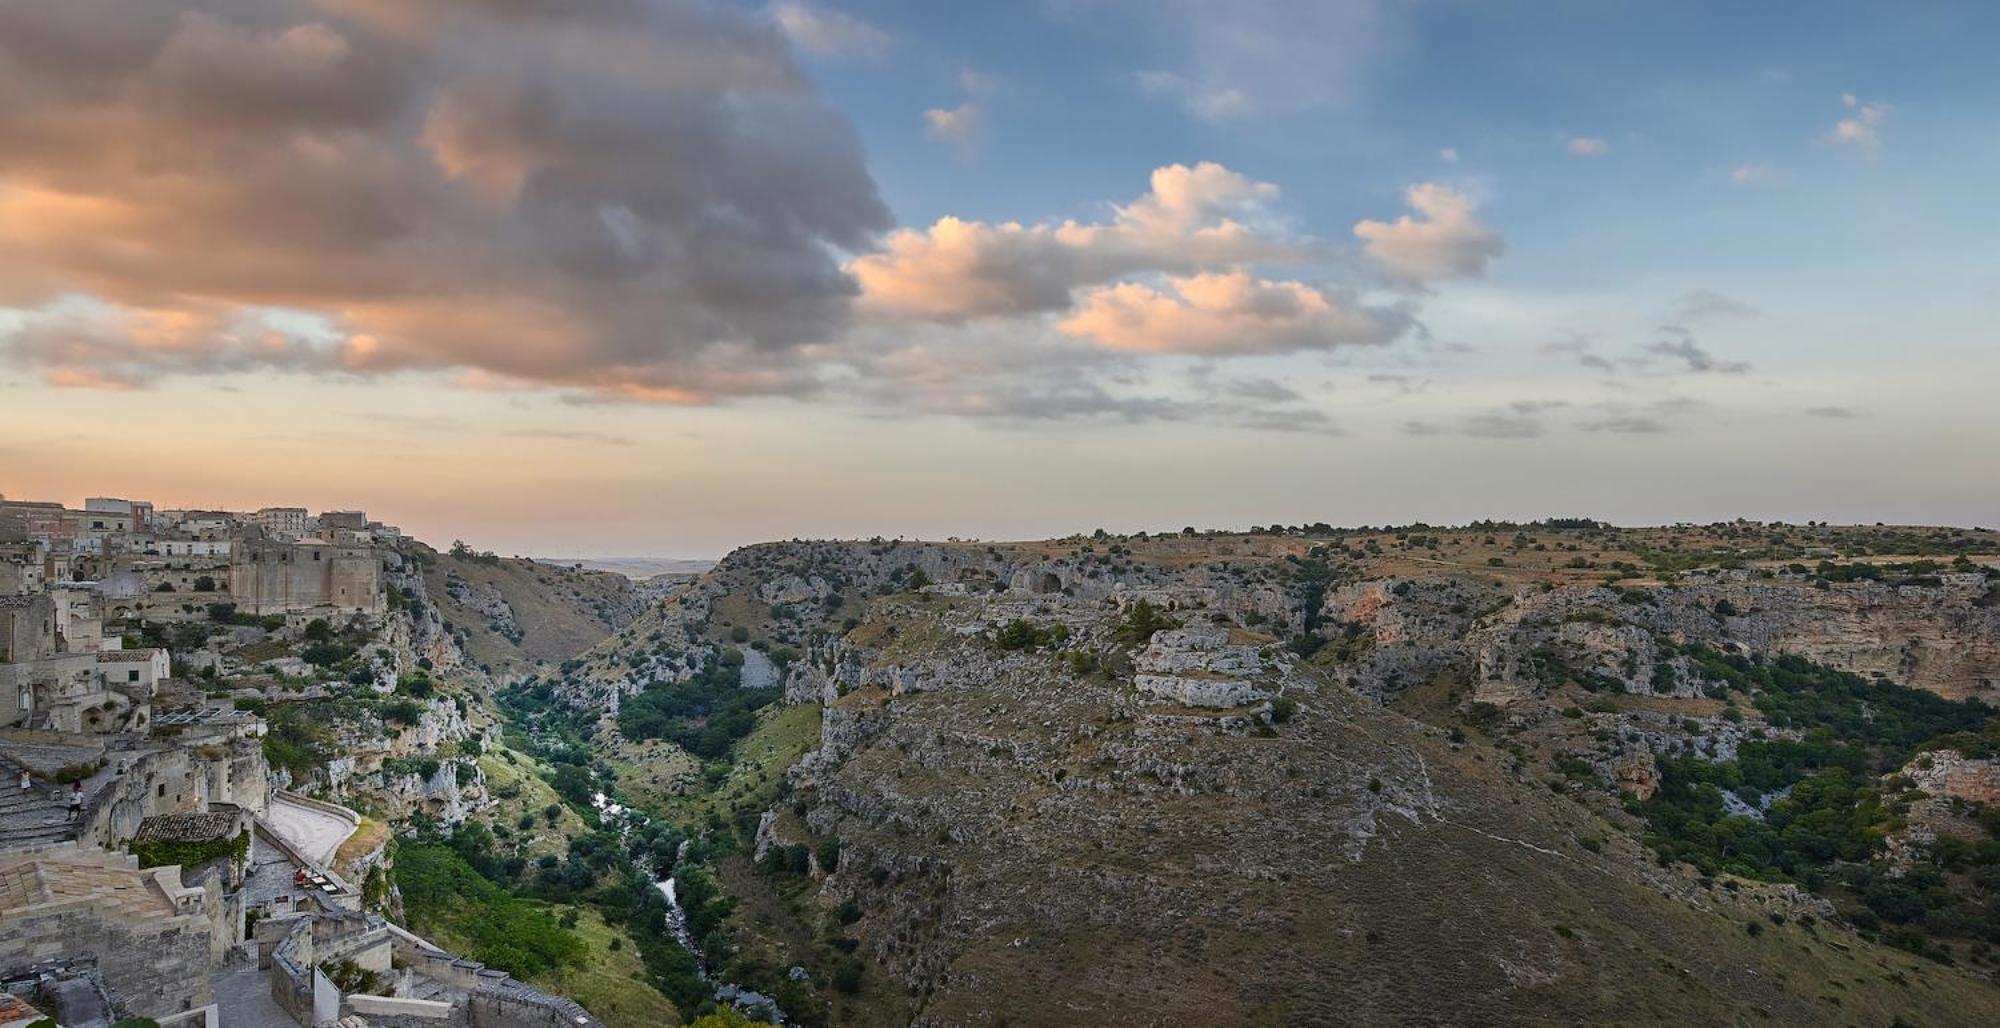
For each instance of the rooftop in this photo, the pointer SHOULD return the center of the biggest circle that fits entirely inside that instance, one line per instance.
(42, 881)
(186, 827)
(126, 656)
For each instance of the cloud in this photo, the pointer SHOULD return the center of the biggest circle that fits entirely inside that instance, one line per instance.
(829, 33)
(573, 436)
(1268, 390)
(1192, 218)
(1755, 175)
(1257, 58)
(633, 199)
(1205, 101)
(1445, 240)
(1303, 420)
(959, 126)
(1581, 348)
(1449, 155)
(1626, 425)
(1709, 305)
(1480, 426)
(1587, 146)
(978, 83)
(1836, 413)
(1229, 313)
(1404, 385)
(1862, 127)
(1680, 345)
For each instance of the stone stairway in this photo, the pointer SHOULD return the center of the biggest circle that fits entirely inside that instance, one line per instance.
(32, 816)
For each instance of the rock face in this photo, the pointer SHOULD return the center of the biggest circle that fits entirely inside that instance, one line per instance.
(1950, 775)
(1199, 667)
(1951, 788)
(485, 600)
(999, 814)
(1941, 638)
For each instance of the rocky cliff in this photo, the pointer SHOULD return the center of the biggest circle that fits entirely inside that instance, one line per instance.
(1288, 778)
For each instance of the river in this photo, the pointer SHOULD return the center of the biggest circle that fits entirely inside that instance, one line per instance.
(753, 1003)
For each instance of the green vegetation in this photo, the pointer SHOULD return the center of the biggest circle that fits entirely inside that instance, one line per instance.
(1022, 634)
(1827, 809)
(190, 855)
(442, 890)
(704, 715)
(296, 743)
(1141, 620)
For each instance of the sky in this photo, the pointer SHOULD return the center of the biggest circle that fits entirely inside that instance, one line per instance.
(653, 277)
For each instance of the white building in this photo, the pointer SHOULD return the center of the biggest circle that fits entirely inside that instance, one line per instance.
(194, 548)
(283, 524)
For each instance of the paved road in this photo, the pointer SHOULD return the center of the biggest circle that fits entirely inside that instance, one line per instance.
(315, 833)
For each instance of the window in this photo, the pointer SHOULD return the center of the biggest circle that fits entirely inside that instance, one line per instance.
(163, 790)
(27, 698)
(132, 675)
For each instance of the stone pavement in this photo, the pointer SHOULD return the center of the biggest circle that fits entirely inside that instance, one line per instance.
(243, 998)
(314, 833)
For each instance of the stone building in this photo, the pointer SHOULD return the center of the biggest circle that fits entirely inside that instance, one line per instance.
(286, 524)
(276, 577)
(148, 932)
(352, 520)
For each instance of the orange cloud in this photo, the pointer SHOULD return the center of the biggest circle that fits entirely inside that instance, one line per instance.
(1445, 240)
(1227, 313)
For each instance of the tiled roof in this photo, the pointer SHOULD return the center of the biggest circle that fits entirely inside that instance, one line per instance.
(185, 827)
(126, 656)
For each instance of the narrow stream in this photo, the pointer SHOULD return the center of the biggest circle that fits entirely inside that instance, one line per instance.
(753, 1003)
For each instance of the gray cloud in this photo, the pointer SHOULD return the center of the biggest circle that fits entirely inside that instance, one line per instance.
(1679, 344)
(1267, 389)
(1480, 426)
(1581, 348)
(1707, 304)
(1627, 425)
(1833, 412)
(573, 436)
(642, 198)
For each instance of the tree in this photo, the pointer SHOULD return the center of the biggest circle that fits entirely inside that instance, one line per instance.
(1142, 619)
(204, 584)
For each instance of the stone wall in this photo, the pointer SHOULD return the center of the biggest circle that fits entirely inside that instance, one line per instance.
(177, 781)
(273, 578)
(494, 999)
(149, 935)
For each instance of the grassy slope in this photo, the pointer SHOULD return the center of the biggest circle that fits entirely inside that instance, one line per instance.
(611, 983)
(521, 776)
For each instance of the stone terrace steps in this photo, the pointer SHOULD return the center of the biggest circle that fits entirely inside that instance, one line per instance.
(34, 815)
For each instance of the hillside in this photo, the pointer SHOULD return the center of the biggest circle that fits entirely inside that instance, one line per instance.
(512, 612)
(1307, 775)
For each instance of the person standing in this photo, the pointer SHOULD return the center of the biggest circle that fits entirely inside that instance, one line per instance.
(76, 801)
